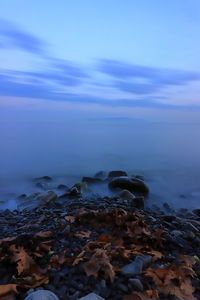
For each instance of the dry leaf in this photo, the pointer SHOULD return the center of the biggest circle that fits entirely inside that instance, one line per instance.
(43, 234)
(7, 288)
(99, 262)
(21, 257)
(70, 219)
(82, 234)
(147, 295)
(175, 280)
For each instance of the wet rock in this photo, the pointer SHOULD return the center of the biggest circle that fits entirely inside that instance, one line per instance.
(177, 233)
(62, 187)
(137, 265)
(43, 179)
(139, 177)
(92, 296)
(127, 183)
(196, 212)
(22, 196)
(138, 202)
(42, 295)
(43, 185)
(100, 175)
(136, 284)
(117, 174)
(47, 197)
(126, 195)
(91, 180)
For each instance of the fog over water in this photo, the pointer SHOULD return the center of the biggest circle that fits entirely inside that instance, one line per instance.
(67, 145)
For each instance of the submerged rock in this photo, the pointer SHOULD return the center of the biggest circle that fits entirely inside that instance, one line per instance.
(130, 184)
(112, 174)
(91, 180)
(42, 295)
(43, 178)
(100, 175)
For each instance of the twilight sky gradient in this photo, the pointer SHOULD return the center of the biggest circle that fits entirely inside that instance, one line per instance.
(109, 55)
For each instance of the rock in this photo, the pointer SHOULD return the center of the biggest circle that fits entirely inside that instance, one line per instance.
(47, 197)
(82, 187)
(130, 184)
(138, 202)
(42, 295)
(117, 174)
(62, 187)
(197, 212)
(137, 265)
(22, 196)
(177, 233)
(43, 178)
(91, 180)
(139, 177)
(100, 175)
(92, 296)
(43, 185)
(136, 284)
(126, 195)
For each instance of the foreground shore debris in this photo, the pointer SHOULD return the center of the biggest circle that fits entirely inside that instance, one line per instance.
(118, 253)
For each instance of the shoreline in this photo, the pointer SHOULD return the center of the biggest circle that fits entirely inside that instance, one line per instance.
(102, 245)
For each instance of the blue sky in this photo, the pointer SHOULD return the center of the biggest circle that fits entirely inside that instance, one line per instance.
(114, 54)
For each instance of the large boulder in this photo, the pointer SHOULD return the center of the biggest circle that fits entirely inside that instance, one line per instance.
(126, 195)
(133, 185)
(112, 174)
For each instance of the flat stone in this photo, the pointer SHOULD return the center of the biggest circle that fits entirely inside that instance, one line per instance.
(92, 296)
(42, 295)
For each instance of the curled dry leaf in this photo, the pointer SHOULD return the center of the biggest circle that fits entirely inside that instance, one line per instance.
(43, 234)
(82, 234)
(70, 219)
(99, 262)
(21, 257)
(175, 280)
(147, 295)
(7, 288)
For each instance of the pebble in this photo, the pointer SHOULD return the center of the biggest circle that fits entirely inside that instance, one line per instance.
(137, 265)
(42, 295)
(136, 284)
(92, 296)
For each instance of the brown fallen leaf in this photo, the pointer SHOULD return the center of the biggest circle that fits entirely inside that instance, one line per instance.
(176, 280)
(7, 239)
(99, 262)
(147, 295)
(36, 277)
(70, 219)
(7, 288)
(82, 234)
(21, 257)
(43, 234)
(8, 297)
(79, 258)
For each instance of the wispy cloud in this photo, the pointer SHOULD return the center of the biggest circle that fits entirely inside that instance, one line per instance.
(127, 77)
(131, 85)
(12, 36)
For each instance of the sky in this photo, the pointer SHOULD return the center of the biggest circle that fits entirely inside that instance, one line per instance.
(114, 57)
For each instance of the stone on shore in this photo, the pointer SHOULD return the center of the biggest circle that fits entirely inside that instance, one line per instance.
(130, 184)
(43, 178)
(91, 296)
(42, 295)
(112, 174)
(126, 195)
(91, 180)
(100, 175)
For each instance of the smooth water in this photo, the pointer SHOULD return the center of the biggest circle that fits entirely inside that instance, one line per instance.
(68, 146)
